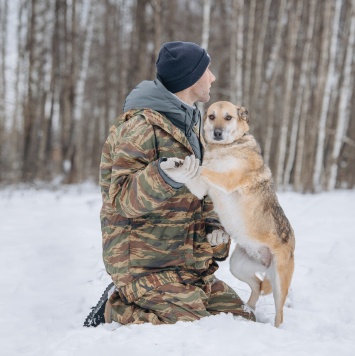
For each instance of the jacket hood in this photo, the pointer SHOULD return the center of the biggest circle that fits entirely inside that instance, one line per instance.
(153, 95)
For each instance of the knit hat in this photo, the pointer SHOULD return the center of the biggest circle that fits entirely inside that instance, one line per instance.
(181, 64)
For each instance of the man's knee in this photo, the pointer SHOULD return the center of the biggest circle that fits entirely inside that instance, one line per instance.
(176, 302)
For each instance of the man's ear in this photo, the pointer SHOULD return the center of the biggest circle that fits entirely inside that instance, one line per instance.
(243, 113)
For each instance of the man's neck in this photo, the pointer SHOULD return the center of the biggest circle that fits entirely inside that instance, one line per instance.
(185, 98)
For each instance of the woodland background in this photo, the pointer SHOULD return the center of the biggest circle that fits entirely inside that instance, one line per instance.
(66, 67)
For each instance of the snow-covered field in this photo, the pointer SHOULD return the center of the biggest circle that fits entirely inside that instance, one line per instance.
(52, 273)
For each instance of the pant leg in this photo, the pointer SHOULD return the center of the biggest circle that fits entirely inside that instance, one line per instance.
(174, 302)
(166, 304)
(223, 299)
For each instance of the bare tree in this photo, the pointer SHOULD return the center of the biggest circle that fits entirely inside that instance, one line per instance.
(318, 167)
(80, 121)
(258, 76)
(249, 53)
(270, 80)
(3, 43)
(346, 91)
(206, 23)
(295, 22)
(30, 109)
(157, 26)
(293, 68)
(236, 50)
(302, 102)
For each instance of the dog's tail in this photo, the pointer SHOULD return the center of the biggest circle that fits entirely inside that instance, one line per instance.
(265, 287)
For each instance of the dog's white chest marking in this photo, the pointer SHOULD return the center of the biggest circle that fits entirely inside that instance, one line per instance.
(229, 211)
(229, 208)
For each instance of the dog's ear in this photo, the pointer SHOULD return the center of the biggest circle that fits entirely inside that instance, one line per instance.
(243, 113)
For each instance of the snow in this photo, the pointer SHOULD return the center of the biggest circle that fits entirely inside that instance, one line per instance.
(52, 273)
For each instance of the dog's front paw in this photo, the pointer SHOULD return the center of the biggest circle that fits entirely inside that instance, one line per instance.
(171, 163)
(218, 237)
(181, 171)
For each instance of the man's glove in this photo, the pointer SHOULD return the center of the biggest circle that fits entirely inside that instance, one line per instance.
(218, 237)
(180, 171)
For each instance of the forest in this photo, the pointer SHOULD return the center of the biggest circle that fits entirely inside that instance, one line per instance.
(66, 67)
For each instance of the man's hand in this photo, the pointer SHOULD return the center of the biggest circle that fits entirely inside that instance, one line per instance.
(218, 237)
(181, 171)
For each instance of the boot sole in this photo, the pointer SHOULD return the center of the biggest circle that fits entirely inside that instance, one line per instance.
(97, 314)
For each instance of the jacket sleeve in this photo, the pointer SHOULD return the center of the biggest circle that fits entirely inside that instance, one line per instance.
(220, 252)
(136, 187)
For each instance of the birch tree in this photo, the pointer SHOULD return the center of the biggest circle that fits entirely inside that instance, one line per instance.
(206, 24)
(73, 71)
(3, 43)
(346, 91)
(319, 157)
(249, 53)
(16, 131)
(157, 26)
(236, 50)
(80, 123)
(31, 107)
(270, 79)
(259, 54)
(289, 73)
(205, 35)
(302, 103)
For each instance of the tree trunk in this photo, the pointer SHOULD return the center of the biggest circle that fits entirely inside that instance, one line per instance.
(236, 64)
(3, 113)
(298, 120)
(249, 54)
(17, 134)
(268, 86)
(346, 91)
(79, 136)
(29, 159)
(206, 24)
(157, 27)
(318, 167)
(286, 105)
(259, 53)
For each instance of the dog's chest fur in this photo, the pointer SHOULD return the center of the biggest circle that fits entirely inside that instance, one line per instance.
(229, 206)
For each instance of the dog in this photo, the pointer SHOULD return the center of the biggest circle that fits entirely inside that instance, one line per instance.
(234, 175)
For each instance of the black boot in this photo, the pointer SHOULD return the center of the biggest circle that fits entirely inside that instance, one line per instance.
(97, 314)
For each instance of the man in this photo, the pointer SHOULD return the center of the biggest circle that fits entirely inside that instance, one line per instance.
(160, 243)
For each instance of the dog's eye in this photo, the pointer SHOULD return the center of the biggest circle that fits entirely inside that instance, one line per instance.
(211, 117)
(228, 117)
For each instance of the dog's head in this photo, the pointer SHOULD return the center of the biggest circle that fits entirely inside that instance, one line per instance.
(225, 122)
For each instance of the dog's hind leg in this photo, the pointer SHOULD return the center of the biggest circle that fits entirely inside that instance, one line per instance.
(244, 268)
(282, 268)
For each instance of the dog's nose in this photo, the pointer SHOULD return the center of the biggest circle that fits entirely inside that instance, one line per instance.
(218, 134)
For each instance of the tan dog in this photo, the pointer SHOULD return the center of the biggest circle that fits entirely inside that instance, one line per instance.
(240, 185)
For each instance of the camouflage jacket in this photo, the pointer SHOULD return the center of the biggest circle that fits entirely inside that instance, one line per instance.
(152, 233)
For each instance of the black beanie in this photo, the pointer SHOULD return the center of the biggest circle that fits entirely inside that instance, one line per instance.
(181, 64)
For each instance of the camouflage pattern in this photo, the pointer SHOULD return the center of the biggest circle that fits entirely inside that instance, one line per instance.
(153, 234)
(174, 302)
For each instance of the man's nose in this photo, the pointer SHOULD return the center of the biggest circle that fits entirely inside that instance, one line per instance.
(213, 78)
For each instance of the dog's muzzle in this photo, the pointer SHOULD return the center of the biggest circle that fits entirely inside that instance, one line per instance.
(218, 134)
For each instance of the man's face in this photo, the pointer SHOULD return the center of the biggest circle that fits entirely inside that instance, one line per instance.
(201, 89)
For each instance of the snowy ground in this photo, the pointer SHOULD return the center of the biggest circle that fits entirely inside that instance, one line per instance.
(52, 273)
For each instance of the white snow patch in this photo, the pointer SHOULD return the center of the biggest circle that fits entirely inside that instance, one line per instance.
(52, 273)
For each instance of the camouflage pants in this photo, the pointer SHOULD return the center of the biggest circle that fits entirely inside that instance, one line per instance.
(174, 302)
